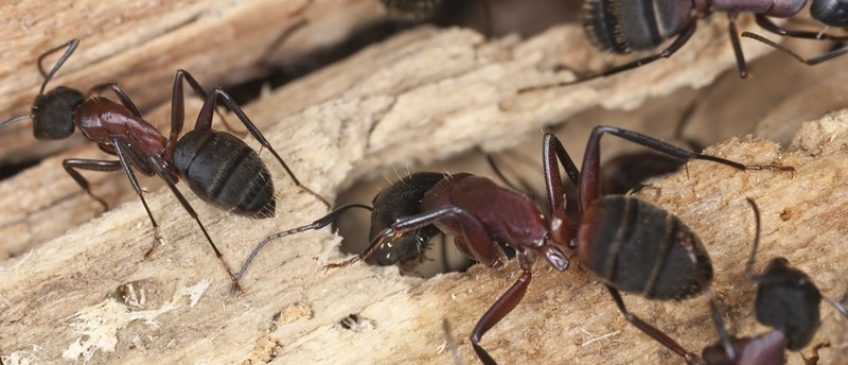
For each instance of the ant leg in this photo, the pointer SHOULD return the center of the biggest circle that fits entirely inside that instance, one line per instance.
(71, 47)
(766, 23)
(450, 340)
(72, 164)
(119, 91)
(122, 159)
(561, 197)
(159, 167)
(480, 245)
(737, 47)
(204, 121)
(652, 331)
(316, 225)
(177, 102)
(749, 265)
(808, 61)
(665, 53)
(590, 184)
(503, 306)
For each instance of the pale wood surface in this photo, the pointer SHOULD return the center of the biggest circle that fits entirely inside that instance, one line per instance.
(375, 109)
(140, 44)
(400, 77)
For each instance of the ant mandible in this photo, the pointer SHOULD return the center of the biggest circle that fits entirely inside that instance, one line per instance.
(787, 300)
(479, 214)
(622, 26)
(220, 168)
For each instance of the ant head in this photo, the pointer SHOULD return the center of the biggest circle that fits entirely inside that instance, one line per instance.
(52, 113)
(830, 12)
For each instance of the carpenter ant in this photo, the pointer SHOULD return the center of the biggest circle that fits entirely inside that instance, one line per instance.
(219, 167)
(622, 26)
(787, 300)
(401, 199)
(625, 241)
(830, 12)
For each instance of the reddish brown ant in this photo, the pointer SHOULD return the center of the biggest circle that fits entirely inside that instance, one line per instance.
(479, 214)
(219, 167)
(787, 300)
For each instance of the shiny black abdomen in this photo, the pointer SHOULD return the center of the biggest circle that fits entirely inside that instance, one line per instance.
(638, 247)
(222, 170)
(623, 25)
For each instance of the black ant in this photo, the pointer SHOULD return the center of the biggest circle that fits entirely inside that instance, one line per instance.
(787, 300)
(480, 214)
(622, 26)
(220, 168)
(829, 12)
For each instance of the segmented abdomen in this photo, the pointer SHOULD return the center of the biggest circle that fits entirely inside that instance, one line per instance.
(223, 170)
(640, 248)
(623, 25)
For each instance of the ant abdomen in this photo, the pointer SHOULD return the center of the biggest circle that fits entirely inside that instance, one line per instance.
(222, 170)
(640, 248)
(52, 113)
(624, 25)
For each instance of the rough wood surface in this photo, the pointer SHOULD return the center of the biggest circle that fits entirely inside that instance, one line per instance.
(474, 84)
(293, 305)
(140, 44)
(59, 301)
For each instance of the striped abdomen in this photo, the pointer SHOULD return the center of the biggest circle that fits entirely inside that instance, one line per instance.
(640, 248)
(623, 25)
(222, 170)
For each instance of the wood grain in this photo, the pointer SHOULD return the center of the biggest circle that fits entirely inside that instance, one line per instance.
(69, 299)
(140, 44)
(480, 77)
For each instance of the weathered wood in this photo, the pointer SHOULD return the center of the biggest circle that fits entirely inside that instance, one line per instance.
(60, 296)
(474, 82)
(565, 317)
(141, 43)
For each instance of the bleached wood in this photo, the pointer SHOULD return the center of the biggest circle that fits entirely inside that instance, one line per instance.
(419, 97)
(452, 79)
(140, 44)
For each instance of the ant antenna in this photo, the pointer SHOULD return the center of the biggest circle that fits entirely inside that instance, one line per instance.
(811, 62)
(750, 264)
(451, 342)
(837, 305)
(718, 321)
(317, 224)
(71, 47)
(14, 120)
